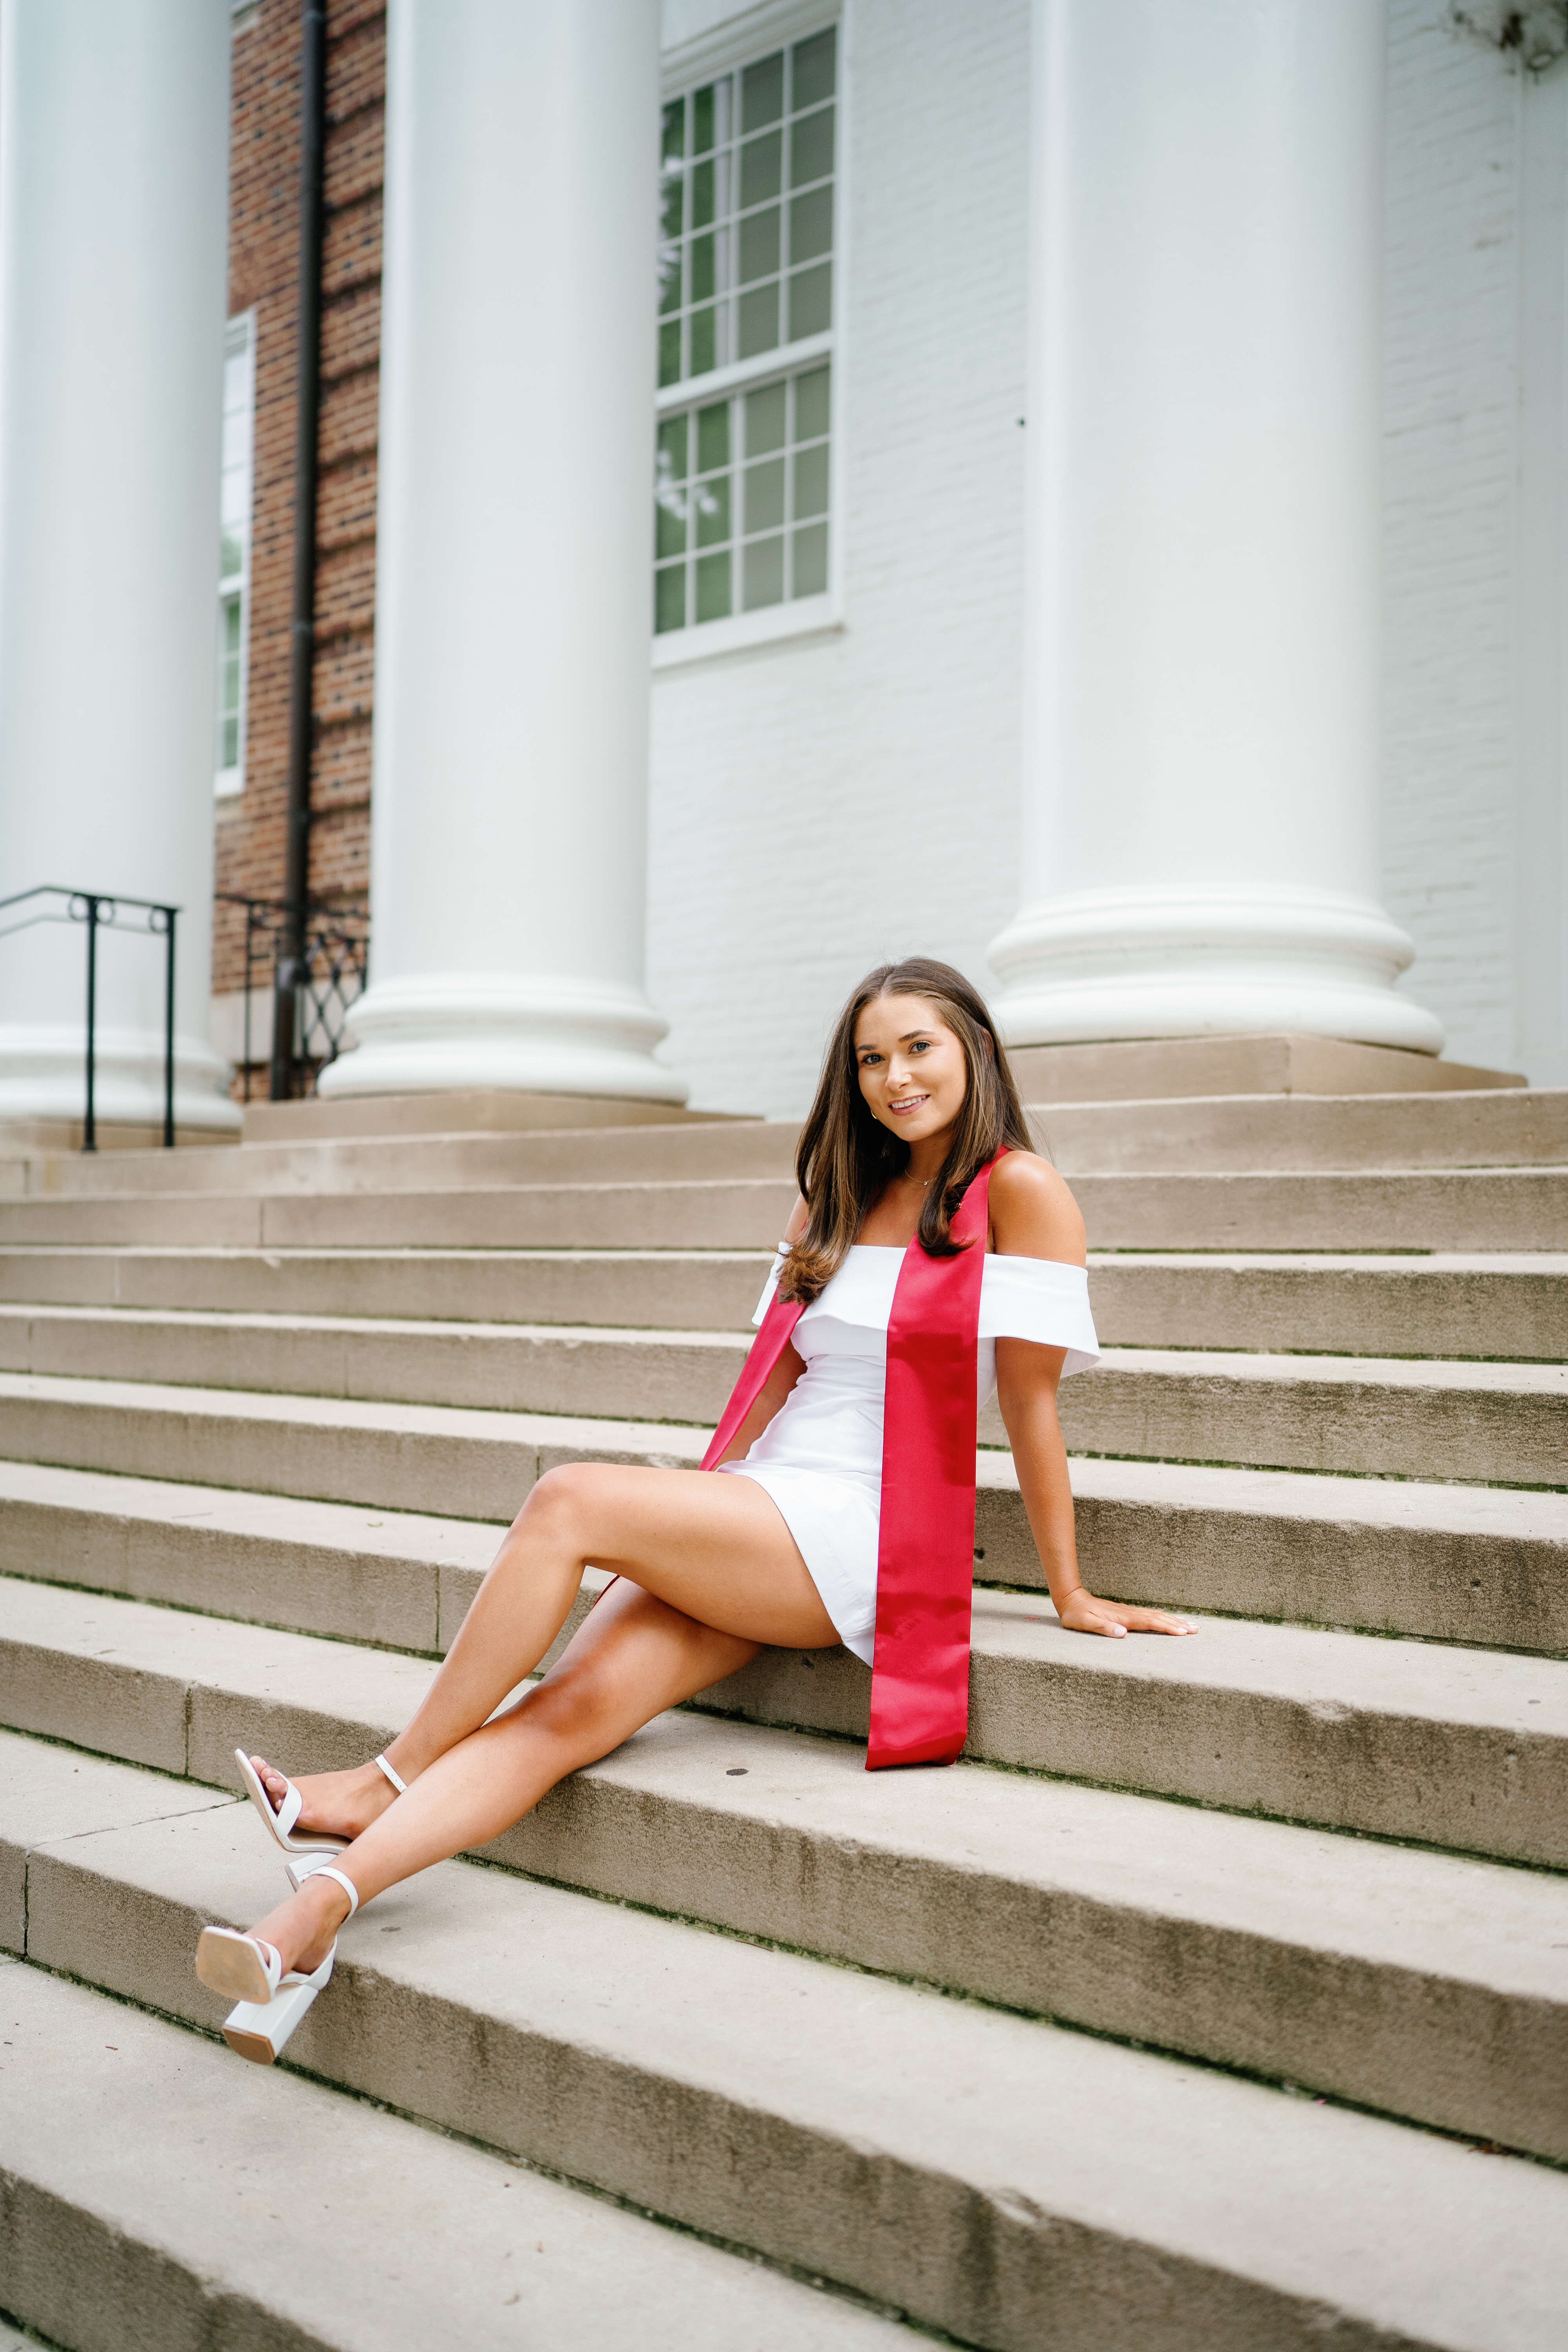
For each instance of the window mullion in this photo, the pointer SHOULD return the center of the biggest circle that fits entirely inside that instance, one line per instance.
(732, 543)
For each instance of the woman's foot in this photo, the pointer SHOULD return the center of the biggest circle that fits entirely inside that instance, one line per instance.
(337, 1804)
(303, 1930)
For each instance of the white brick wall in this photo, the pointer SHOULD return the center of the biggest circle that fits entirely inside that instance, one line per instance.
(1449, 465)
(822, 805)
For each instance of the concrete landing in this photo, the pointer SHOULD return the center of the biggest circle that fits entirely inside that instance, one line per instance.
(1130, 1069)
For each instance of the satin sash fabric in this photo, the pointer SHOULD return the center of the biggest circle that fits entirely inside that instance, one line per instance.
(925, 1553)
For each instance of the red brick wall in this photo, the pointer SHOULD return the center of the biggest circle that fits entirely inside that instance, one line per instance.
(263, 275)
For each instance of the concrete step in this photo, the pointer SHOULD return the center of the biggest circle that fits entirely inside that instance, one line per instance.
(391, 1580)
(1471, 1564)
(1162, 1068)
(1526, 1128)
(746, 1213)
(1460, 1748)
(694, 1290)
(1014, 2171)
(1486, 1306)
(1461, 1210)
(1368, 1416)
(144, 2169)
(700, 1153)
(1465, 1749)
(1362, 1416)
(1424, 1210)
(1505, 1309)
(529, 1367)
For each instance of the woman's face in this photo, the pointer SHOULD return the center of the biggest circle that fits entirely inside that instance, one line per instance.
(912, 1066)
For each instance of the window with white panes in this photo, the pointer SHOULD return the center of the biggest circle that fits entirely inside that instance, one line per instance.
(234, 560)
(741, 491)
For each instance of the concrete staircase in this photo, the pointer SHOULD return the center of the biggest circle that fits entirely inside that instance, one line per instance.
(1219, 1999)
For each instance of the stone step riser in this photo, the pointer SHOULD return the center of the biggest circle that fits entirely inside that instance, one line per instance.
(158, 2238)
(1318, 2017)
(1253, 1556)
(1186, 1985)
(991, 2266)
(1406, 1770)
(1467, 1787)
(747, 1215)
(1294, 1413)
(1306, 1418)
(398, 1163)
(1520, 1315)
(1259, 1133)
(1512, 1313)
(767, 2089)
(696, 1290)
(1478, 1209)
(1524, 1128)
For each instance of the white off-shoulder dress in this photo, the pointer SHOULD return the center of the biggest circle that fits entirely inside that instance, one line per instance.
(820, 1457)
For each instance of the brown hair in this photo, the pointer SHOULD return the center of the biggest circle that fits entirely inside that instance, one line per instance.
(845, 1157)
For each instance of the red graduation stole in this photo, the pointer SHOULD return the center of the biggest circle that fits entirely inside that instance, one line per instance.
(925, 1555)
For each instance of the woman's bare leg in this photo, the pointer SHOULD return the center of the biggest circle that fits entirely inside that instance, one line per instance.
(716, 1549)
(632, 1658)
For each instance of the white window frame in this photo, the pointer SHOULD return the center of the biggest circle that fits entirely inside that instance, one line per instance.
(740, 43)
(228, 783)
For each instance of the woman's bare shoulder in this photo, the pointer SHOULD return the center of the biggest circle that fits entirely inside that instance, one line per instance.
(797, 1224)
(1032, 1214)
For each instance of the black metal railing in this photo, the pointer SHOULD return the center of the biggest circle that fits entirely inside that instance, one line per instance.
(98, 911)
(311, 992)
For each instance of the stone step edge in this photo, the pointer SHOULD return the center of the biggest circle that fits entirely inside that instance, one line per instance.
(462, 1548)
(1297, 2005)
(1475, 1422)
(1419, 1374)
(1332, 1729)
(387, 1458)
(429, 1187)
(583, 1436)
(824, 1697)
(137, 2269)
(735, 2144)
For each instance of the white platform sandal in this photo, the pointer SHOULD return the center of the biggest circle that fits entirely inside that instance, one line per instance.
(281, 1821)
(271, 2003)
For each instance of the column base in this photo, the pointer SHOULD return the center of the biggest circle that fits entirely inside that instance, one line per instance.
(535, 1034)
(1098, 965)
(42, 1082)
(1171, 1070)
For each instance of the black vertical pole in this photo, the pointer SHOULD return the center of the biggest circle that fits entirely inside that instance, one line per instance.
(248, 912)
(169, 914)
(90, 1121)
(303, 639)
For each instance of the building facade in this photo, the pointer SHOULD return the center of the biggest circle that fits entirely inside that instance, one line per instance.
(1079, 492)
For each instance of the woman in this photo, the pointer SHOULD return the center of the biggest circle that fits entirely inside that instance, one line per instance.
(915, 1104)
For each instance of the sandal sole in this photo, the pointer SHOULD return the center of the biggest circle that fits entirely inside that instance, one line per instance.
(231, 1965)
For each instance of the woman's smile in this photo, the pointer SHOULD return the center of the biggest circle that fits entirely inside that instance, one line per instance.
(912, 1074)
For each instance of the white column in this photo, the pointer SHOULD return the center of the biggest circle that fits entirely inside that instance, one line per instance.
(508, 790)
(114, 264)
(1202, 660)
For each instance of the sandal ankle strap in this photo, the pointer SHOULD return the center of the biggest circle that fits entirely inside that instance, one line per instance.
(398, 1782)
(331, 1870)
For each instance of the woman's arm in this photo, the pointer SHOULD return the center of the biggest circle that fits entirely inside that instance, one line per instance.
(779, 1382)
(1032, 1214)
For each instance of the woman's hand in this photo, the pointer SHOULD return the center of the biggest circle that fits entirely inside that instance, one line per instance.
(1080, 1612)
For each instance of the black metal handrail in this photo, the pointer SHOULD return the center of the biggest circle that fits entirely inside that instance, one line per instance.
(100, 911)
(312, 990)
